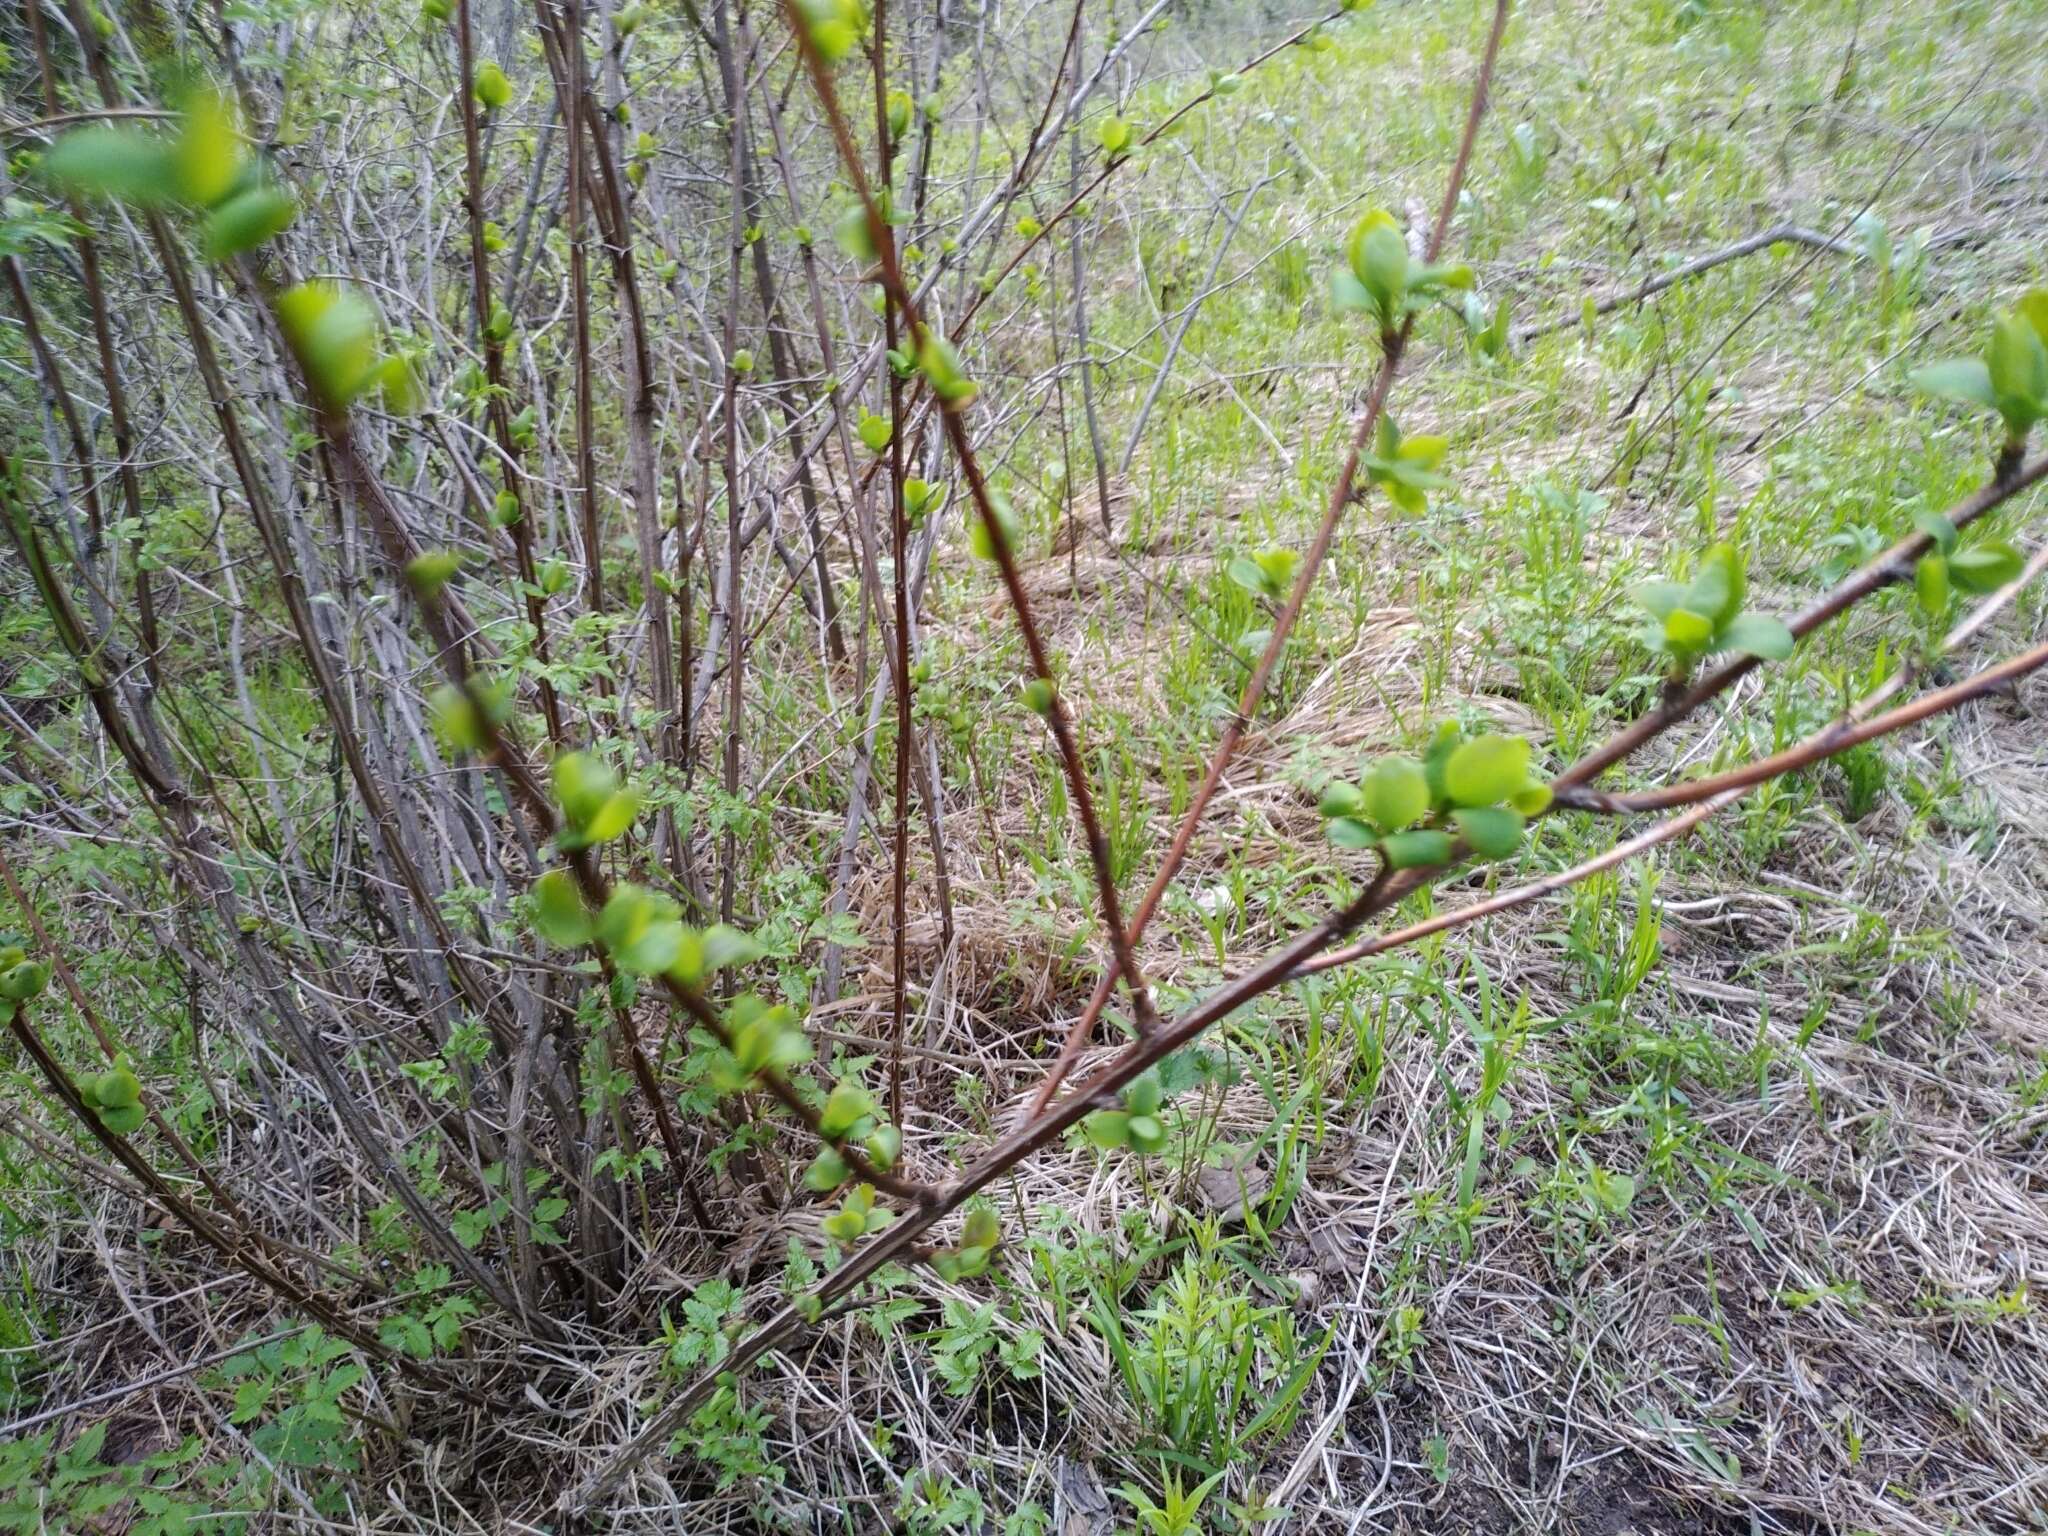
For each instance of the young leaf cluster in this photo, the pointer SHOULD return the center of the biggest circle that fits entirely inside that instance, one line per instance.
(115, 1095)
(2011, 377)
(835, 27)
(1480, 788)
(1948, 568)
(851, 1116)
(1380, 278)
(1706, 616)
(20, 979)
(1137, 1125)
(979, 1238)
(1267, 573)
(204, 166)
(596, 807)
(1405, 467)
(640, 929)
(335, 335)
(856, 1217)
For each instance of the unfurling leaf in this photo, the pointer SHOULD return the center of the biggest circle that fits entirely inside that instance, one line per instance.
(1660, 597)
(333, 333)
(827, 1172)
(582, 784)
(559, 914)
(1719, 587)
(1351, 832)
(856, 1216)
(1416, 850)
(2017, 362)
(1405, 467)
(428, 573)
(1147, 1134)
(23, 980)
(117, 163)
(1985, 567)
(1378, 256)
(1697, 618)
(457, 720)
(2012, 376)
(855, 235)
(979, 537)
(640, 930)
(124, 1122)
(1687, 633)
(1761, 635)
(764, 1038)
(1341, 799)
(1486, 770)
(981, 1229)
(1396, 793)
(726, 946)
(920, 497)
(1107, 1128)
(845, 1107)
(246, 220)
(1269, 573)
(1931, 585)
(206, 158)
(1491, 832)
(1961, 378)
(1145, 1093)
(614, 820)
(833, 26)
(1940, 531)
(595, 806)
(941, 366)
(884, 1144)
(493, 90)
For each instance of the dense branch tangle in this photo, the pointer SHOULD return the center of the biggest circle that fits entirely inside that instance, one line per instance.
(1397, 877)
(461, 852)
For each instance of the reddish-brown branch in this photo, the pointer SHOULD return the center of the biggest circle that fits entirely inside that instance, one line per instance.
(1676, 826)
(231, 1246)
(494, 367)
(1057, 719)
(1839, 739)
(1155, 1043)
(899, 583)
(1342, 493)
(1894, 564)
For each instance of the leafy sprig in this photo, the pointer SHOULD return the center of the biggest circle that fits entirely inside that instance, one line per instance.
(2011, 377)
(1706, 616)
(1482, 789)
(1380, 278)
(205, 167)
(1137, 1125)
(1949, 568)
(1405, 467)
(1266, 573)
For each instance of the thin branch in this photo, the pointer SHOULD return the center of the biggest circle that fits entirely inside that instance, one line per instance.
(1894, 564)
(1342, 493)
(1792, 234)
(891, 276)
